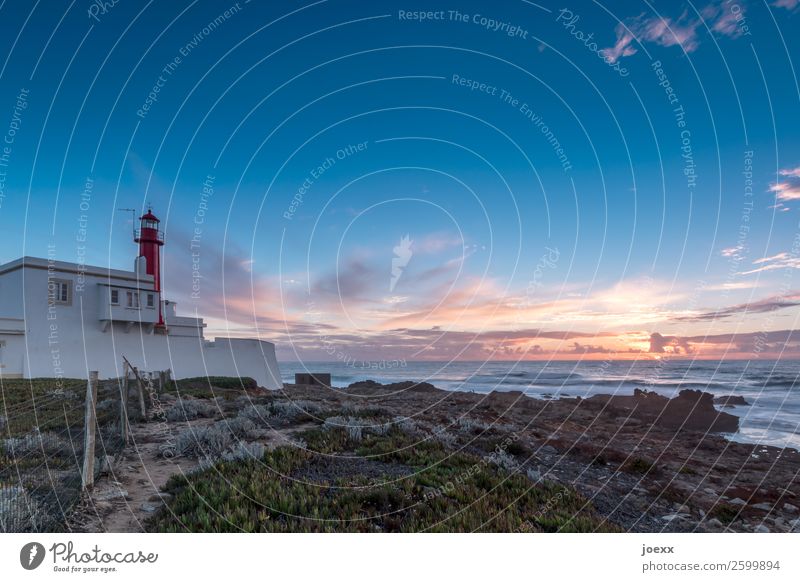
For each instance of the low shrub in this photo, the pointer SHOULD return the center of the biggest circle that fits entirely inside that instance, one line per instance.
(503, 460)
(19, 512)
(444, 437)
(357, 427)
(405, 425)
(473, 425)
(257, 413)
(638, 465)
(186, 409)
(36, 442)
(291, 410)
(224, 382)
(208, 441)
(240, 427)
(242, 451)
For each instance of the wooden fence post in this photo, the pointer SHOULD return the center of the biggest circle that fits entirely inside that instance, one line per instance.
(90, 421)
(123, 409)
(142, 407)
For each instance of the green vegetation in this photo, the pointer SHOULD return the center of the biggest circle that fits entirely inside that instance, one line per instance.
(42, 403)
(212, 387)
(638, 465)
(391, 482)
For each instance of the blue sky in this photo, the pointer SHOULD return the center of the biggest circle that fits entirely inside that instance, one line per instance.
(579, 159)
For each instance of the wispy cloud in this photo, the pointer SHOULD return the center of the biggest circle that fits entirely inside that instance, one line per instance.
(666, 31)
(762, 306)
(782, 260)
(788, 189)
(733, 252)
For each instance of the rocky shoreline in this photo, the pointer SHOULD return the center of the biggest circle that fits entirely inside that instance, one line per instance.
(646, 462)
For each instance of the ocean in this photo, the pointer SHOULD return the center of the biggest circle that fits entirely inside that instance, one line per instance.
(772, 388)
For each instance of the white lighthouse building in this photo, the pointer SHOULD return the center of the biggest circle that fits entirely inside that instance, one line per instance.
(61, 320)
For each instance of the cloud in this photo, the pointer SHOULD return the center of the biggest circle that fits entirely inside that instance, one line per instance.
(788, 189)
(775, 262)
(660, 343)
(785, 191)
(733, 252)
(778, 343)
(762, 306)
(352, 281)
(722, 19)
(622, 47)
(788, 4)
(578, 348)
(667, 32)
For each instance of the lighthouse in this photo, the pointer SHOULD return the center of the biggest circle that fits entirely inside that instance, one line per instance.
(116, 314)
(150, 240)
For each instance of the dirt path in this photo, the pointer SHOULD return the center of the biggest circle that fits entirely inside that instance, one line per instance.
(130, 493)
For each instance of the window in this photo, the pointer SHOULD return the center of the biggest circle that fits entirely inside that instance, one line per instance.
(115, 297)
(133, 299)
(150, 224)
(60, 292)
(151, 301)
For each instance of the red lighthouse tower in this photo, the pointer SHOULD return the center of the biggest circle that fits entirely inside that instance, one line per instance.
(150, 240)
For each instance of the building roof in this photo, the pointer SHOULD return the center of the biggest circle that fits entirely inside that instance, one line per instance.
(76, 268)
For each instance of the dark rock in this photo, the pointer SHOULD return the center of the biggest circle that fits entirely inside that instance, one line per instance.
(396, 387)
(690, 410)
(365, 384)
(730, 400)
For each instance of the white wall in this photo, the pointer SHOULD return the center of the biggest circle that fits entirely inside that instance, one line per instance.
(12, 325)
(68, 341)
(11, 294)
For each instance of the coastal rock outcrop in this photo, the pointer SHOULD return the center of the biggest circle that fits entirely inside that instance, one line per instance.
(730, 401)
(690, 410)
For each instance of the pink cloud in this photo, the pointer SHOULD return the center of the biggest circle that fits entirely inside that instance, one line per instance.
(785, 191)
(622, 47)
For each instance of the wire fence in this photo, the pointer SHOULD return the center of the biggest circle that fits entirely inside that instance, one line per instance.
(56, 437)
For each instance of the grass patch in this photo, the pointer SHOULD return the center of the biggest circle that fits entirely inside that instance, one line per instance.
(212, 387)
(638, 465)
(364, 492)
(47, 404)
